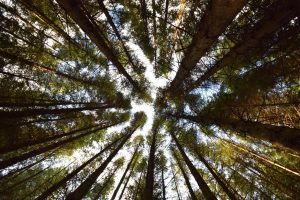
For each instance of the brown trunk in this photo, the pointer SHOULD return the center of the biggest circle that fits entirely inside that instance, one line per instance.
(41, 67)
(44, 140)
(77, 12)
(207, 193)
(110, 21)
(124, 174)
(111, 175)
(271, 22)
(218, 16)
(282, 135)
(215, 174)
(30, 154)
(57, 185)
(148, 191)
(175, 182)
(186, 178)
(84, 187)
(44, 111)
(163, 184)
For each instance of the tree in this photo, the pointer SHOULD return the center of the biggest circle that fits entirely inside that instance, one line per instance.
(221, 79)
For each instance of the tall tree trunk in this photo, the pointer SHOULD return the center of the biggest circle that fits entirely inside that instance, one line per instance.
(186, 178)
(163, 183)
(110, 21)
(42, 17)
(221, 182)
(110, 176)
(45, 140)
(282, 135)
(30, 154)
(47, 111)
(148, 191)
(270, 22)
(175, 182)
(207, 193)
(261, 157)
(84, 187)
(41, 67)
(76, 11)
(166, 10)
(124, 174)
(126, 183)
(217, 17)
(60, 183)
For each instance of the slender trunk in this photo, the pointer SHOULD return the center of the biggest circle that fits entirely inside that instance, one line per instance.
(281, 135)
(266, 26)
(268, 178)
(138, 186)
(57, 185)
(75, 9)
(3, 191)
(217, 17)
(43, 18)
(148, 191)
(111, 175)
(266, 196)
(45, 111)
(166, 10)
(110, 21)
(125, 185)
(220, 181)
(20, 170)
(45, 139)
(262, 158)
(186, 178)
(207, 193)
(84, 187)
(41, 67)
(44, 104)
(124, 174)
(43, 149)
(163, 183)
(175, 182)
(18, 76)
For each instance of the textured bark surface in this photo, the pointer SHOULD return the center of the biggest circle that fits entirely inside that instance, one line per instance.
(218, 16)
(148, 192)
(76, 11)
(200, 181)
(271, 22)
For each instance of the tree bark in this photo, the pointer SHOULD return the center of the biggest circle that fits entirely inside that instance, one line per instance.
(44, 111)
(45, 140)
(217, 17)
(84, 187)
(49, 191)
(98, 195)
(200, 181)
(186, 178)
(226, 189)
(124, 174)
(110, 21)
(148, 191)
(163, 184)
(77, 12)
(41, 67)
(24, 156)
(266, 26)
(281, 135)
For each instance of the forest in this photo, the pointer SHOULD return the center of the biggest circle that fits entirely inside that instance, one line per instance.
(150, 100)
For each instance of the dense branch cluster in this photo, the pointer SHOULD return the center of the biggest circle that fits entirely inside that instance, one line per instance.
(226, 125)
